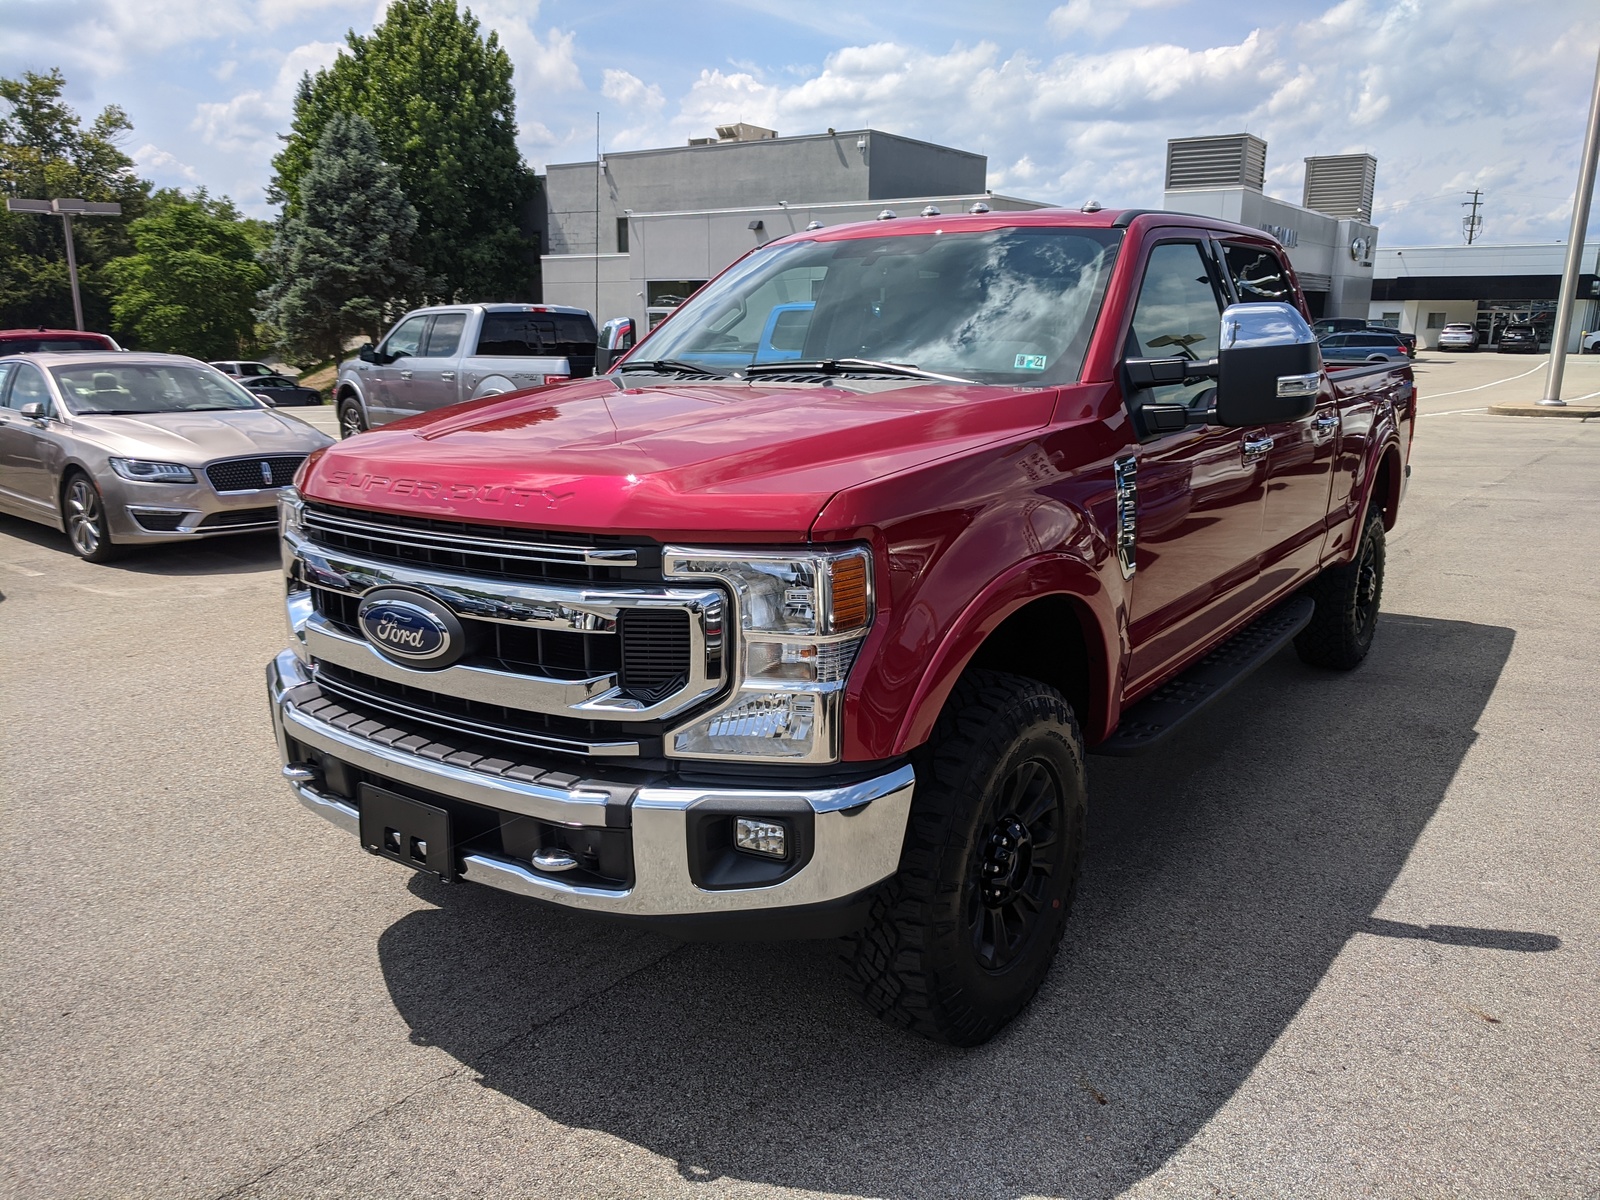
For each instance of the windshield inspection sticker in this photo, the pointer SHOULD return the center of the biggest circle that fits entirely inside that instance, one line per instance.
(1030, 362)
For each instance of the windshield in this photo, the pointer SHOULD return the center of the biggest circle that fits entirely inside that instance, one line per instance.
(1011, 306)
(148, 388)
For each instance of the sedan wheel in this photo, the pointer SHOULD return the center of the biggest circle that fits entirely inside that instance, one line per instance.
(86, 521)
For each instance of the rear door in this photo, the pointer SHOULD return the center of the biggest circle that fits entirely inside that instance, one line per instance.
(1300, 461)
(1199, 490)
(436, 363)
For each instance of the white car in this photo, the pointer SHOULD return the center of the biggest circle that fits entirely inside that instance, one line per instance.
(1590, 344)
(1458, 337)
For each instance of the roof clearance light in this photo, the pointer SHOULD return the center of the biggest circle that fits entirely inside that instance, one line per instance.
(979, 207)
(886, 215)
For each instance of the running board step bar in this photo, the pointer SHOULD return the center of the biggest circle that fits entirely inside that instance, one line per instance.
(1151, 720)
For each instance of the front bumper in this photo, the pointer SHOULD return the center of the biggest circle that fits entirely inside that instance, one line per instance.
(855, 829)
(173, 512)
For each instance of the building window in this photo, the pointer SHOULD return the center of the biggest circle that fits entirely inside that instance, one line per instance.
(1436, 320)
(1391, 319)
(669, 293)
(622, 235)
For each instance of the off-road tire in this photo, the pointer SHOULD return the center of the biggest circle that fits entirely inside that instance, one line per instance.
(919, 962)
(83, 517)
(351, 419)
(1341, 629)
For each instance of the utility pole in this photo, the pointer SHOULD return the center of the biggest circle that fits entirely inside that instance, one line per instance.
(599, 170)
(67, 209)
(1472, 222)
(1567, 298)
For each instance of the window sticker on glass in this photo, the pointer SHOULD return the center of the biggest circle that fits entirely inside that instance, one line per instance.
(1031, 362)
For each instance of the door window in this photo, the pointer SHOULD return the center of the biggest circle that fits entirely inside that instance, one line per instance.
(1257, 274)
(403, 342)
(28, 388)
(1178, 316)
(444, 339)
(5, 376)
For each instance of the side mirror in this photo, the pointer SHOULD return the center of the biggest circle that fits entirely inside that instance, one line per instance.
(367, 353)
(1269, 368)
(616, 339)
(34, 411)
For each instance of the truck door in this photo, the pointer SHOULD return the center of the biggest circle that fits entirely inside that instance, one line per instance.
(391, 381)
(1300, 462)
(435, 367)
(1200, 491)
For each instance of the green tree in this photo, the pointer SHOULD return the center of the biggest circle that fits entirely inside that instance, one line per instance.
(343, 254)
(190, 286)
(438, 95)
(47, 154)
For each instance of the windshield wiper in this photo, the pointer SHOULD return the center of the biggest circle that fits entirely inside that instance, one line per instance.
(670, 366)
(847, 366)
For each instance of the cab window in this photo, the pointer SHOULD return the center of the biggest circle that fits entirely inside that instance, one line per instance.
(407, 336)
(1178, 315)
(444, 339)
(1258, 274)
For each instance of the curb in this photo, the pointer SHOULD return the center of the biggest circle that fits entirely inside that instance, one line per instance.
(1527, 408)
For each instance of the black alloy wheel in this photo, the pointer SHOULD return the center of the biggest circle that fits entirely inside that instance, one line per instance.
(351, 419)
(1348, 598)
(960, 939)
(84, 516)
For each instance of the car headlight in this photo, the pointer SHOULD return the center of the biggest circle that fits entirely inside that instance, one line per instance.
(143, 471)
(802, 619)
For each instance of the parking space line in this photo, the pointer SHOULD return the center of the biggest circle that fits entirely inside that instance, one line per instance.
(1481, 386)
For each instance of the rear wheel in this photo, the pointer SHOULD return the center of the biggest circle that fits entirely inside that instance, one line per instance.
(84, 515)
(351, 419)
(1341, 629)
(962, 937)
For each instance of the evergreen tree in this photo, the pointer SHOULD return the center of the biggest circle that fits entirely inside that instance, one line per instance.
(47, 154)
(439, 96)
(190, 286)
(342, 255)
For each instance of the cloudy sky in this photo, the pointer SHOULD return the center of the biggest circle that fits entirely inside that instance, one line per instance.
(1070, 101)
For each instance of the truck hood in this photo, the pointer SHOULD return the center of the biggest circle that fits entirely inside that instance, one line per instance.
(726, 459)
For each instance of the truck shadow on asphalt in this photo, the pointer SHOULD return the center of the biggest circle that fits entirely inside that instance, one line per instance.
(1224, 874)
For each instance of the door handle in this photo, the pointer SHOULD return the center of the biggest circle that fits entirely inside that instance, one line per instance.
(405, 374)
(1256, 447)
(447, 375)
(1324, 424)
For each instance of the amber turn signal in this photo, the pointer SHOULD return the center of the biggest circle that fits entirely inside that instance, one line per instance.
(849, 593)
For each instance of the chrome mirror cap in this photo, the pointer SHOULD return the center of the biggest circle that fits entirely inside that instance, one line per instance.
(1264, 323)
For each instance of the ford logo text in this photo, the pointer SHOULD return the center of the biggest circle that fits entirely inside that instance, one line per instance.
(411, 628)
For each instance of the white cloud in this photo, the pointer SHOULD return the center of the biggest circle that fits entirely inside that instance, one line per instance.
(1098, 18)
(632, 92)
(249, 122)
(153, 160)
(543, 65)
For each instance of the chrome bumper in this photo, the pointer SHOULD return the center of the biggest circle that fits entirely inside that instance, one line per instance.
(857, 828)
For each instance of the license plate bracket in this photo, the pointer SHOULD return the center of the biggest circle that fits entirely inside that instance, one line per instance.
(407, 831)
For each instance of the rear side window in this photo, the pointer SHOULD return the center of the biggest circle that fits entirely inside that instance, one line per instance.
(1257, 274)
(536, 335)
(444, 339)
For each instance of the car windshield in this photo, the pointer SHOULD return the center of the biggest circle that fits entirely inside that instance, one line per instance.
(104, 387)
(1003, 306)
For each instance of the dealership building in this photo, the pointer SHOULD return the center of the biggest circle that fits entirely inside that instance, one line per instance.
(635, 234)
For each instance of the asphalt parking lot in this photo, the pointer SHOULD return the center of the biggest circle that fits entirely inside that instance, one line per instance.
(1342, 938)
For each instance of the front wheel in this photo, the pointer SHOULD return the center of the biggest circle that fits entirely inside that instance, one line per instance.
(961, 938)
(84, 515)
(1347, 597)
(351, 419)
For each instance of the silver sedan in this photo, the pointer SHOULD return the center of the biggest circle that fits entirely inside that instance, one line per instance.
(117, 449)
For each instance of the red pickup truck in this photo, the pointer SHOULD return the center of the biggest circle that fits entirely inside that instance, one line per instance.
(800, 620)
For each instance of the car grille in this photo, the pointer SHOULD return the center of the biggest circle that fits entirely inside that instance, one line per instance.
(253, 474)
(484, 551)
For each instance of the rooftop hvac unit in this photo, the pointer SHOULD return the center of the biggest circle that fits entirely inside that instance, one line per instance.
(1341, 185)
(1233, 160)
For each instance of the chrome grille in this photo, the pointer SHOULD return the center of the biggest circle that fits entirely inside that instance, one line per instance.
(253, 474)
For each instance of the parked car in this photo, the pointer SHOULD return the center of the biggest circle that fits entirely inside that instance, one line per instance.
(1518, 339)
(1590, 343)
(244, 370)
(1368, 346)
(34, 341)
(1326, 325)
(439, 356)
(1460, 336)
(280, 391)
(120, 449)
(814, 646)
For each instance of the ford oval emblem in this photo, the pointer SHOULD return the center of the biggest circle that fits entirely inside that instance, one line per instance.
(411, 628)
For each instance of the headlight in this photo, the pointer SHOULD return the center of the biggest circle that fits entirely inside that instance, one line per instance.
(143, 471)
(802, 619)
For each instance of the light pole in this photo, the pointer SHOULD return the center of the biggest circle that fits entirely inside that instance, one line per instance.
(66, 210)
(1567, 297)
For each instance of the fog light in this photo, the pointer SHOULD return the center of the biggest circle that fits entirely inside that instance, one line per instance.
(766, 838)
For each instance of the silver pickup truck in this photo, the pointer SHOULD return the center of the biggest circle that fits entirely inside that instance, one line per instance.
(443, 355)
